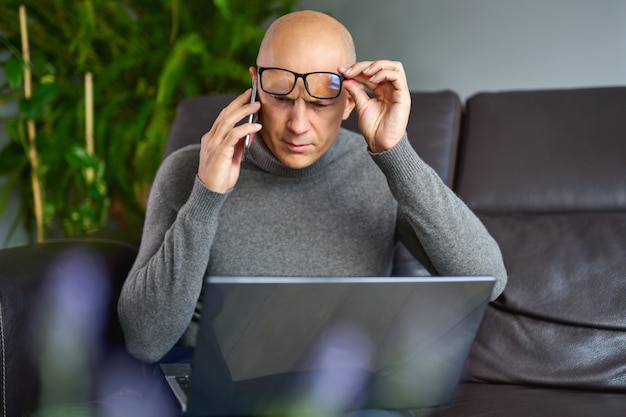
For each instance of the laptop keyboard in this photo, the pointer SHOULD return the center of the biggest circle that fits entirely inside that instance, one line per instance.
(183, 381)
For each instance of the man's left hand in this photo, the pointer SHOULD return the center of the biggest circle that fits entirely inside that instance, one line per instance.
(384, 117)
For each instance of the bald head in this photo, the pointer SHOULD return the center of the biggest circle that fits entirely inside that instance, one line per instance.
(311, 31)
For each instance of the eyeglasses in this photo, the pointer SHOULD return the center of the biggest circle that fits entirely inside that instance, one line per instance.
(280, 82)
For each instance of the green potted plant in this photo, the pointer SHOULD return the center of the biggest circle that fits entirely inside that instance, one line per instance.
(143, 57)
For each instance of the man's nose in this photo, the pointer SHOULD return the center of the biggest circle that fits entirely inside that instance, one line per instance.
(298, 121)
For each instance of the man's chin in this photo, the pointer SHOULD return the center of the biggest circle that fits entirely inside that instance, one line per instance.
(298, 161)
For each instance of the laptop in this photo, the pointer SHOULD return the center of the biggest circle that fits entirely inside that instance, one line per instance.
(324, 346)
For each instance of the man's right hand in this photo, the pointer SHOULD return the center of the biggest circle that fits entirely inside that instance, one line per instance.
(222, 147)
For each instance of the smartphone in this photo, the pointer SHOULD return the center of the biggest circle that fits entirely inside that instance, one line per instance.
(252, 117)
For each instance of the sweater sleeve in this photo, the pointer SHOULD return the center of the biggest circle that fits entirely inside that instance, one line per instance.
(161, 291)
(441, 228)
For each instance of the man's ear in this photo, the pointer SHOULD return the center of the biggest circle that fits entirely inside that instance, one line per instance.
(349, 107)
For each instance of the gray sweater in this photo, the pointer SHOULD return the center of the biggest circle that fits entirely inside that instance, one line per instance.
(342, 216)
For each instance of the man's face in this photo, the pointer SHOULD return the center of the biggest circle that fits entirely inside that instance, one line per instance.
(298, 128)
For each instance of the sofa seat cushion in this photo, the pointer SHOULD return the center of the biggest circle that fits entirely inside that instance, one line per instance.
(518, 349)
(560, 321)
(486, 400)
(566, 268)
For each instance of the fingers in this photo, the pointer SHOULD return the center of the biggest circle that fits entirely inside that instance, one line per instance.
(357, 92)
(224, 129)
(374, 73)
(221, 149)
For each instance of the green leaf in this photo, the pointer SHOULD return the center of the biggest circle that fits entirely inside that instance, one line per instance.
(98, 191)
(31, 109)
(28, 108)
(176, 65)
(45, 92)
(14, 71)
(77, 156)
(222, 6)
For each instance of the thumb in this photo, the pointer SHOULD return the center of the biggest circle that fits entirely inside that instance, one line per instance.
(357, 92)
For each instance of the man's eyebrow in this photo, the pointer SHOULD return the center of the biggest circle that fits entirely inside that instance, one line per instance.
(315, 100)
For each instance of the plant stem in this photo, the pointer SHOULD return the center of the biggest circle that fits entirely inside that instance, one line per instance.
(89, 122)
(32, 149)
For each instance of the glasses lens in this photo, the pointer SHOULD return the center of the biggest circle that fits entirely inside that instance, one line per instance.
(324, 84)
(277, 81)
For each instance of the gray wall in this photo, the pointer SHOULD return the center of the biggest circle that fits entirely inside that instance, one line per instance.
(487, 45)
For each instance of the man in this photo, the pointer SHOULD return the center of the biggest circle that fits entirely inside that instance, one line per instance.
(307, 198)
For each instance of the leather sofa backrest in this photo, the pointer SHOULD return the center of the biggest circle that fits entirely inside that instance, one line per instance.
(433, 131)
(546, 173)
(544, 151)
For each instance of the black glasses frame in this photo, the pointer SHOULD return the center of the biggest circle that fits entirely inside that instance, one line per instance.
(303, 76)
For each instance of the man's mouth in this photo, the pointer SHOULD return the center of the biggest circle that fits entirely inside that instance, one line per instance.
(297, 148)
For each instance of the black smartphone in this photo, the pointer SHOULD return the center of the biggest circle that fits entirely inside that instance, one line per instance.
(252, 117)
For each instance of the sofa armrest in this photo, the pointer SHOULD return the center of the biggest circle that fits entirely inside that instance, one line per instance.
(42, 285)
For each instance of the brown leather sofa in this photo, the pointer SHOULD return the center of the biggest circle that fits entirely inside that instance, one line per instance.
(544, 170)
